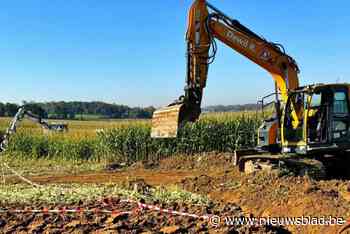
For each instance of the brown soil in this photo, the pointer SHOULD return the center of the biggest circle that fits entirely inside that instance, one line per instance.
(258, 195)
(138, 222)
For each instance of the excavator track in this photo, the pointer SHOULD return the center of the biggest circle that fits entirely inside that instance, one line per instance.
(281, 164)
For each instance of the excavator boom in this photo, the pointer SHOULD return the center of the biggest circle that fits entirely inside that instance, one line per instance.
(205, 24)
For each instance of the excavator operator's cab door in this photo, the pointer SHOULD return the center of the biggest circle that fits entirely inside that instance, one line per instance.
(324, 120)
(293, 127)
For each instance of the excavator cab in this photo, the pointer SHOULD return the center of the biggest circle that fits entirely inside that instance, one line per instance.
(324, 120)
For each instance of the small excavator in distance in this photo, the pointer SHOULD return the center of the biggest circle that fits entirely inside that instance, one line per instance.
(24, 113)
(309, 122)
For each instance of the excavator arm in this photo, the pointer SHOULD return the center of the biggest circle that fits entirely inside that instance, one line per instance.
(206, 24)
(12, 129)
(269, 56)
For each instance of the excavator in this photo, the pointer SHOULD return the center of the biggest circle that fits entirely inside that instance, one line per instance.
(23, 113)
(310, 121)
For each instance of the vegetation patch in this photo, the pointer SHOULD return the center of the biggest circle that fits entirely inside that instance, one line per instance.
(41, 166)
(75, 193)
(130, 142)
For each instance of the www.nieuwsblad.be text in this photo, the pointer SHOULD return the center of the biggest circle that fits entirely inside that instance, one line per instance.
(217, 221)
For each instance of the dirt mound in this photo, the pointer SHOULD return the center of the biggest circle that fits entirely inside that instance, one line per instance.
(137, 222)
(273, 195)
(201, 184)
(207, 161)
(270, 195)
(207, 184)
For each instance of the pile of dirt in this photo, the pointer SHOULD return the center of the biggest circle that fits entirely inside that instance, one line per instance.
(273, 195)
(139, 222)
(205, 184)
(205, 161)
(200, 184)
(269, 195)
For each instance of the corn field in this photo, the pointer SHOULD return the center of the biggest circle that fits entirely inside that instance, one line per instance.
(131, 141)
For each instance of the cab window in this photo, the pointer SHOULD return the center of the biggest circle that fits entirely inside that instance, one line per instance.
(316, 100)
(340, 123)
(340, 103)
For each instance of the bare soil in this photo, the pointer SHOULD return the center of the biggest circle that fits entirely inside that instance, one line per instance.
(138, 222)
(233, 193)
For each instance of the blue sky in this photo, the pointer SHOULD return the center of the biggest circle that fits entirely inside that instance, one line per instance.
(133, 52)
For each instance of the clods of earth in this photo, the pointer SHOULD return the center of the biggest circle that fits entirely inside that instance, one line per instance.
(231, 192)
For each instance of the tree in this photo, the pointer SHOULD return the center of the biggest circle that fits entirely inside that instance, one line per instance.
(2, 109)
(36, 109)
(11, 109)
(70, 110)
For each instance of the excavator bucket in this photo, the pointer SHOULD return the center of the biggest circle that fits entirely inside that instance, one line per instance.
(166, 121)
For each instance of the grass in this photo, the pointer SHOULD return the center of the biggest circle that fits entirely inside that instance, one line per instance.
(74, 193)
(39, 166)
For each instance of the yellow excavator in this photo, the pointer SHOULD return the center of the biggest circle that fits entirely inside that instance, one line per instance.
(311, 120)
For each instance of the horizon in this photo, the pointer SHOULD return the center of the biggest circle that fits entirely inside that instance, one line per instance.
(136, 56)
(112, 103)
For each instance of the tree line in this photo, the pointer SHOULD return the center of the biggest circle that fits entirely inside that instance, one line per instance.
(230, 108)
(99, 110)
(78, 110)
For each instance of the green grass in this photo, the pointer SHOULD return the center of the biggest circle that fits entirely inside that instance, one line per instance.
(74, 193)
(40, 166)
